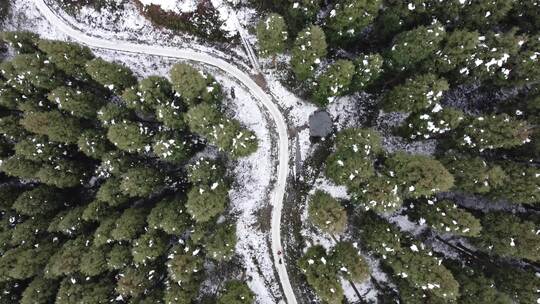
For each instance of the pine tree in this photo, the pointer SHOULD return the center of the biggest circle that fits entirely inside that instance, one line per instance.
(84, 291)
(170, 216)
(521, 184)
(351, 266)
(222, 241)
(58, 127)
(184, 264)
(148, 94)
(112, 113)
(38, 201)
(37, 70)
(102, 234)
(93, 261)
(521, 285)
(40, 149)
(352, 162)
(457, 52)
(68, 222)
(130, 136)
(10, 128)
(446, 217)
(378, 193)
(509, 236)
(321, 275)
(309, 48)
(30, 231)
(66, 261)
(205, 202)
(236, 292)
(171, 114)
(39, 291)
(415, 94)
(114, 76)
(272, 35)
(19, 167)
(348, 18)
(136, 281)
(434, 123)
(22, 41)
(67, 56)
(334, 82)
(96, 211)
(412, 47)
(25, 262)
(75, 101)
(181, 294)
(326, 213)
(93, 143)
(474, 175)
(194, 86)
(171, 147)
(118, 257)
(493, 132)
(419, 175)
(129, 225)
(142, 181)
(63, 173)
(206, 171)
(368, 69)
(149, 246)
(111, 193)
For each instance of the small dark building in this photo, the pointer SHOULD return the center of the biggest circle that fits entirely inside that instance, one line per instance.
(320, 124)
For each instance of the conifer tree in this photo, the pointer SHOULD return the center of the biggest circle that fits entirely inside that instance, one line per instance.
(309, 48)
(57, 126)
(149, 246)
(521, 184)
(114, 76)
(326, 213)
(130, 136)
(39, 291)
(170, 216)
(221, 244)
(367, 71)
(432, 123)
(184, 264)
(348, 18)
(141, 181)
(38, 201)
(129, 225)
(474, 175)
(334, 82)
(194, 86)
(236, 292)
(205, 202)
(75, 101)
(93, 143)
(351, 266)
(93, 261)
(23, 42)
(67, 56)
(415, 94)
(378, 193)
(84, 291)
(148, 94)
(67, 260)
(272, 35)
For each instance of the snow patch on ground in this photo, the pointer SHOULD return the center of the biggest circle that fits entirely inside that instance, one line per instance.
(176, 6)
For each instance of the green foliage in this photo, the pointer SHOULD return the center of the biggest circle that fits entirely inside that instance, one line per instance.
(193, 85)
(458, 51)
(272, 35)
(67, 260)
(63, 173)
(10, 128)
(485, 13)
(326, 213)
(446, 217)
(30, 231)
(149, 246)
(93, 261)
(75, 101)
(8, 195)
(112, 113)
(432, 124)
(171, 114)
(368, 69)
(334, 82)
(309, 48)
(67, 56)
(205, 202)
(521, 186)
(130, 136)
(25, 262)
(130, 224)
(111, 193)
(39, 149)
(222, 241)
(141, 181)
(19, 167)
(119, 256)
(116, 77)
(81, 291)
(39, 291)
(419, 175)
(474, 175)
(412, 47)
(228, 135)
(93, 143)
(58, 127)
(520, 285)
(415, 94)
(22, 41)
(348, 18)
(184, 264)
(38, 201)
(96, 211)
(68, 221)
(171, 147)
(135, 281)
(321, 275)
(352, 162)
(148, 94)
(206, 171)
(236, 292)
(475, 288)
(102, 234)
(181, 294)
(38, 71)
(170, 216)
(493, 132)
(509, 236)
(379, 193)
(345, 258)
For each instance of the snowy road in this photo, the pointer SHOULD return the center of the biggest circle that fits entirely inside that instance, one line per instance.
(278, 192)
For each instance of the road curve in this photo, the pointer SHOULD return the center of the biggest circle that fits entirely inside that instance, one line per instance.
(278, 192)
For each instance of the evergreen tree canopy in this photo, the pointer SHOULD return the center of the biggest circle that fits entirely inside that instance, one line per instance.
(272, 35)
(114, 76)
(326, 213)
(309, 48)
(334, 82)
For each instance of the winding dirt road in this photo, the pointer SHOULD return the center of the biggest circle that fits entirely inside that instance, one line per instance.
(278, 192)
